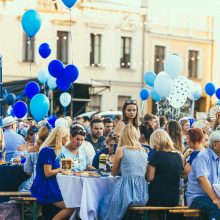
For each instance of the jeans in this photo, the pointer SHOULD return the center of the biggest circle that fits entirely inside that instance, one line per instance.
(205, 204)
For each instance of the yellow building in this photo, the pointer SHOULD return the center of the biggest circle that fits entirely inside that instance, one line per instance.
(191, 37)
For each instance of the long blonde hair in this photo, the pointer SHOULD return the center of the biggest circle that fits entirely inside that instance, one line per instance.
(55, 138)
(162, 141)
(129, 137)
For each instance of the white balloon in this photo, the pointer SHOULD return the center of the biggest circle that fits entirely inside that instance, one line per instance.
(65, 99)
(51, 82)
(178, 95)
(42, 76)
(163, 84)
(173, 65)
(195, 91)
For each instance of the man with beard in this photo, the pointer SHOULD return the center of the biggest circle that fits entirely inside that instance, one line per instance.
(95, 137)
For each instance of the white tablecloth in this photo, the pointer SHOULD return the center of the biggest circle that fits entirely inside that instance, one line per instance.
(85, 193)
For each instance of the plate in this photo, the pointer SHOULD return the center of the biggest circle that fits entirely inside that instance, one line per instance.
(87, 174)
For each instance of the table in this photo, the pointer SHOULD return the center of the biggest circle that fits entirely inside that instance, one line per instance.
(85, 193)
(11, 177)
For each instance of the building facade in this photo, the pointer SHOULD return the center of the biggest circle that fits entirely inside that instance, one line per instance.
(112, 42)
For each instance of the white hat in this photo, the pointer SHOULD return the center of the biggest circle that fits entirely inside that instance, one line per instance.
(8, 121)
(61, 122)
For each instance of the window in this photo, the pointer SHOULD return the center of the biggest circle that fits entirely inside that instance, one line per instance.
(28, 49)
(47, 5)
(159, 56)
(193, 60)
(62, 46)
(95, 102)
(121, 101)
(125, 61)
(95, 49)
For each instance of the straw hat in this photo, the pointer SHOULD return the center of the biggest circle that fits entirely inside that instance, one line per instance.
(8, 121)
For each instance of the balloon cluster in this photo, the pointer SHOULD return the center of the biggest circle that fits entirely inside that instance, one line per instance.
(64, 76)
(55, 76)
(170, 85)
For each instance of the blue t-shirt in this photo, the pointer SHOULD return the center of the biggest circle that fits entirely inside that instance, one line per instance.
(12, 140)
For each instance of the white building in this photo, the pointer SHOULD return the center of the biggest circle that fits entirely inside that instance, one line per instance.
(104, 39)
(113, 42)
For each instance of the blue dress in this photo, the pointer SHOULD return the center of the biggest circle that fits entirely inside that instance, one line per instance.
(46, 189)
(130, 189)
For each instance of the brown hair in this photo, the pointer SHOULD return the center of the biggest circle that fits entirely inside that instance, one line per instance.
(195, 135)
(43, 133)
(175, 131)
(135, 121)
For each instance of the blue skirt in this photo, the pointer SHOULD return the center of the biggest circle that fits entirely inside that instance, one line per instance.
(46, 189)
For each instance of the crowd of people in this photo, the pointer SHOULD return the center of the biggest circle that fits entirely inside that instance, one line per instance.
(157, 159)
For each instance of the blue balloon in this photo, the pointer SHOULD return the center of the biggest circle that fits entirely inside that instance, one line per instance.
(55, 68)
(155, 96)
(10, 98)
(218, 102)
(20, 109)
(52, 120)
(42, 76)
(71, 73)
(149, 78)
(31, 22)
(39, 106)
(51, 82)
(217, 93)
(62, 84)
(32, 89)
(144, 94)
(210, 89)
(69, 3)
(44, 50)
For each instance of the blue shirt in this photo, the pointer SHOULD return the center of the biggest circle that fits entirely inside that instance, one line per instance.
(80, 160)
(205, 164)
(12, 140)
(99, 145)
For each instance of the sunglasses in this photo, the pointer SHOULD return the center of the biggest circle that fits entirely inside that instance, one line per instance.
(79, 131)
(115, 137)
(131, 101)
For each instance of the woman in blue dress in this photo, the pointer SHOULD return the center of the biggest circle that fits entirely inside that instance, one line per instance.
(131, 189)
(45, 187)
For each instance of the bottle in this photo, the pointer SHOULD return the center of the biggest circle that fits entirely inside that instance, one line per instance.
(102, 162)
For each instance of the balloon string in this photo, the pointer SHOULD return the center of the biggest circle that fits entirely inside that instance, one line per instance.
(71, 37)
(64, 111)
(30, 60)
